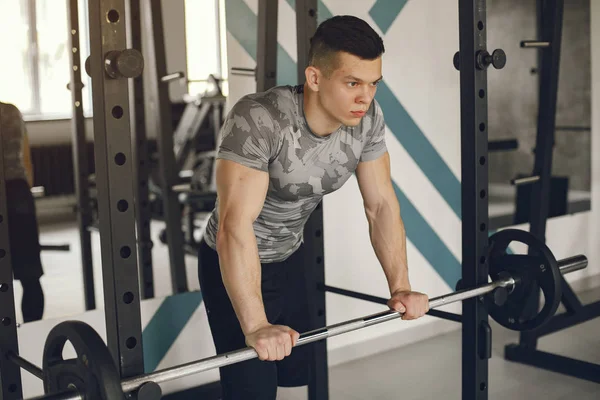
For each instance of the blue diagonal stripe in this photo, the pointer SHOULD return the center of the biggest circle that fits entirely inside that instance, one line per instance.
(419, 148)
(166, 325)
(323, 12)
(385, 12)
(427, 241)
(242, 24)
(418, 231)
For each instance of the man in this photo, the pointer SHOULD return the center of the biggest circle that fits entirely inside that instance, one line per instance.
(22, 220)
(280, 152)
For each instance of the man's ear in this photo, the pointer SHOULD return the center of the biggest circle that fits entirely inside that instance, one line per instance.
(313, 77)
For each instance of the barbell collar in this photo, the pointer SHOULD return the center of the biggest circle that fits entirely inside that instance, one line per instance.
(220, 360)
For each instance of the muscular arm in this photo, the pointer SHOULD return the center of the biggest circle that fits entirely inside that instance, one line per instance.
(386, 228)
(241, 192)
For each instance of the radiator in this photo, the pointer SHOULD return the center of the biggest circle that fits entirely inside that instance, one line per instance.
(53, 168)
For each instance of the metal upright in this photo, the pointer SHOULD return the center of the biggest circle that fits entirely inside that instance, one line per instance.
(160, 126)
(110, 66)
(80, 159)
(10, 373)
(473, 60)
(141, 161)
(314, 254)
(266, 49)
(550, 21)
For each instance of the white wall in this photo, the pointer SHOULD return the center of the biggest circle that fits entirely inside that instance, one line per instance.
(418, 69)
(43, 133)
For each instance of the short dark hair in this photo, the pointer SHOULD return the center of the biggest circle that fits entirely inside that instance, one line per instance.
(343, 33)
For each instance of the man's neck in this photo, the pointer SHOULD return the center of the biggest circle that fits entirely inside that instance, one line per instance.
(319, 122)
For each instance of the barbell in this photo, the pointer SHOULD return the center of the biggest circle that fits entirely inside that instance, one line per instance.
(513, 279)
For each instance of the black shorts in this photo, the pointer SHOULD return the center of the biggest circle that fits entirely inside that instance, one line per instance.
(284, 296)
(23, 231)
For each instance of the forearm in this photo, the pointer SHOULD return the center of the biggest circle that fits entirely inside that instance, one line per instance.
(241, 272)
(388, 238)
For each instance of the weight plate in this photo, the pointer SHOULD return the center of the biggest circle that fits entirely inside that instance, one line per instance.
(93, 374)
(537, 269)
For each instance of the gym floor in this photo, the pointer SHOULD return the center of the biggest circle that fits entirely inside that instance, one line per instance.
(430, 369)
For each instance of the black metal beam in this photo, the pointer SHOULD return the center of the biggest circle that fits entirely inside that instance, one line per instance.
(114, 180)
(384, 301)
(566, 320)
(157, 94)
(80, 160)
(503, 145)
(553, 362)
(314, 253)
(551, 31)
(474, 173)
(141, 161)
(266, 64)
(10, 374)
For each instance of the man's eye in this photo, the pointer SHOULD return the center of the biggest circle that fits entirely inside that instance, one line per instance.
(352, 84)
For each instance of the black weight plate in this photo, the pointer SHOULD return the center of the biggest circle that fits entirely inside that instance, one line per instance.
(93, 374)
(539, 269)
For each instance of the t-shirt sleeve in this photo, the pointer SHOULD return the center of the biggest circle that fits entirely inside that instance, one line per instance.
(248, 136)
(375, 145)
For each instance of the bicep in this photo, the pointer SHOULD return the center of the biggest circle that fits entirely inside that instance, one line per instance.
(241, 191)
(375, 183)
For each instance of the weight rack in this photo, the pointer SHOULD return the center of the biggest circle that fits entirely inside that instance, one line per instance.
(111, 62)
(80, 159)
(549, 23)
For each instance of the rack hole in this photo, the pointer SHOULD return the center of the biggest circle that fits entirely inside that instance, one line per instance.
(482, 160)
(480, 25)
(122, 205)
(482, 227)
(125, 252)
(113, 16)
(482, 127)
(482, 194)
(120, 159)
(481, 93)
(128, 298)
(131, 343)
(117, 112)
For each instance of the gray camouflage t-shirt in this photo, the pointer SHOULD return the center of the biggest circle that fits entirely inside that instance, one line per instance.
(268, 131)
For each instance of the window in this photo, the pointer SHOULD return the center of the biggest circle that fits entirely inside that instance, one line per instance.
(205, 33)
(36, 77)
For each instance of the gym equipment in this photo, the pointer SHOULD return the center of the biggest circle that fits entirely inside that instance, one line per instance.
(513, 277)
(93, 373)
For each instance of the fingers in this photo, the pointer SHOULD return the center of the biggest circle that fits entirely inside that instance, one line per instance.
(412, 305)
(273, 343)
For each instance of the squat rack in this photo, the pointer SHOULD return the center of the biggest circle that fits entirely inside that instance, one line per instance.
(110, 64)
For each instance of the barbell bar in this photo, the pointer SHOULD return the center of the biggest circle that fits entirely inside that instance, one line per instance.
(507, 282)
(221, 360)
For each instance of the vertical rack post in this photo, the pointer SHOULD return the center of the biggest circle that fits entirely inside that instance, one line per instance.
(551, 31)
(10, 373)
(80, 160)
(111, 63)
(160, 123)
(314, 254)
(141, 161)
(476, 332)
(266, 49)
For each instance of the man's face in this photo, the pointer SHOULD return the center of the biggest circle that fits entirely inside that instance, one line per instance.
(349, 90)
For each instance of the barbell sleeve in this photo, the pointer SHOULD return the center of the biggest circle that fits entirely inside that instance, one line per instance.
(221, 360)
(525, 180)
